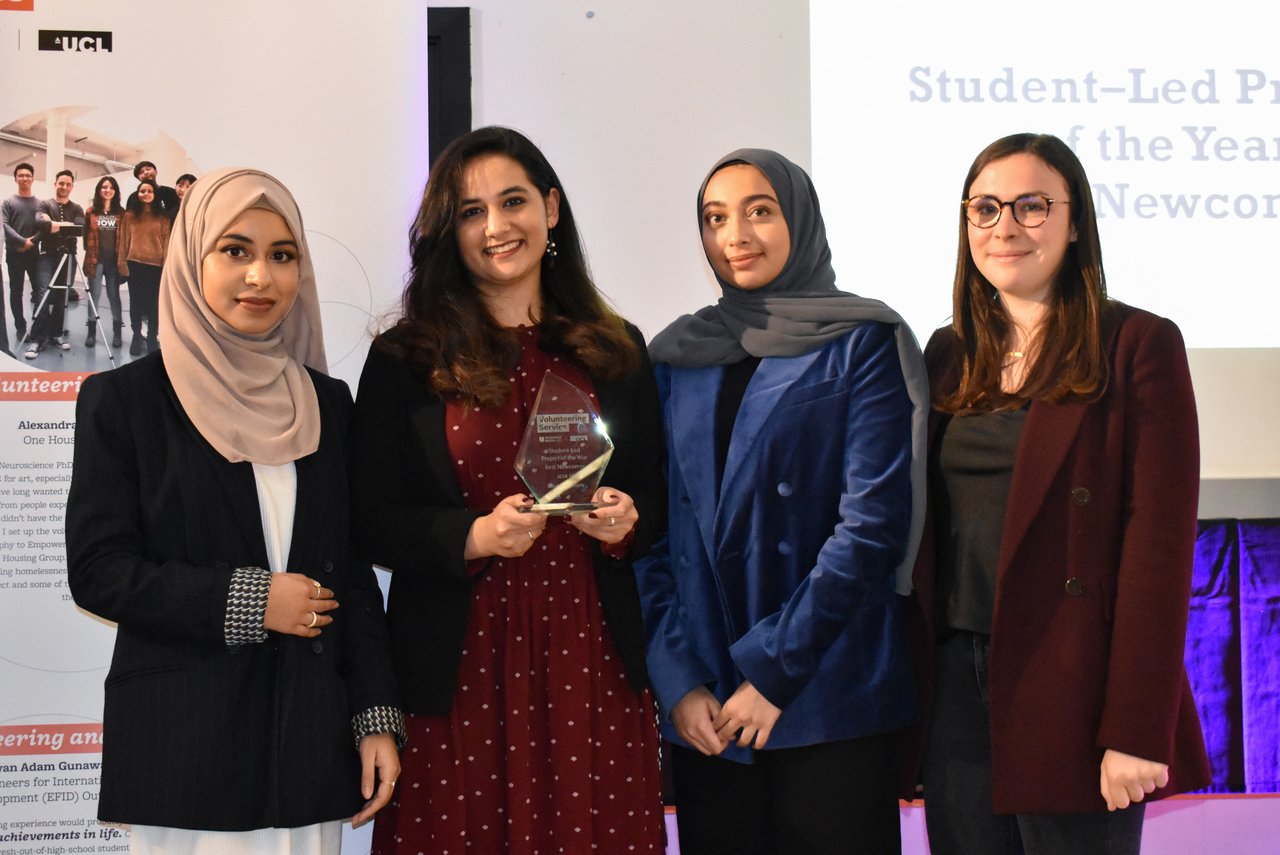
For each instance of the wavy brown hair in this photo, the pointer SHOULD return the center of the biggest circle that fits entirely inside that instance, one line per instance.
(1069, 348)
(98, 206)
(445, 330)
(140, 207)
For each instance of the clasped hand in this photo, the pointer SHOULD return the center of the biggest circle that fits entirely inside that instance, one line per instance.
(298, 605)
(701, 721)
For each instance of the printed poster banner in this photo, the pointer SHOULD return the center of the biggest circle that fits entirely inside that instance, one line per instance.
(94, 86)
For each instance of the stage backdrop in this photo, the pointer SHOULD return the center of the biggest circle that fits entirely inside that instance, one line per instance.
(328, 96)
(1173, 111)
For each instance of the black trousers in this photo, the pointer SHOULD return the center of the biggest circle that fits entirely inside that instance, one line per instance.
(144, 298)
(836, 798)
(21, 264)
(957, 778)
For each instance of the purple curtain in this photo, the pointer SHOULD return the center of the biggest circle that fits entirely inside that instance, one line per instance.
(1260, 652)
(1233, 651)
(1213, 650)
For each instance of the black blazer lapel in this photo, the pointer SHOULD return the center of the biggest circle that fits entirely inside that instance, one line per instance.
(427, 417)
(239, 490)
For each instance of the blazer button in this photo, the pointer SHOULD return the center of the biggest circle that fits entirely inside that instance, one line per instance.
(1080, 495)
(784, 548)
(317, 646)
(328, 566)
(1074, 586)
(784, 489)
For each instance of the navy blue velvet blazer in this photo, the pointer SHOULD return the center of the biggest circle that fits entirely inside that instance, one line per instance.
(783, 573)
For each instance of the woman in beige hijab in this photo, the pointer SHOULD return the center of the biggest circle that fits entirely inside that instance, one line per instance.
(208, 517)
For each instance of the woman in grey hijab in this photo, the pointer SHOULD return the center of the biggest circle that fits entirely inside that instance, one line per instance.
(795, 420)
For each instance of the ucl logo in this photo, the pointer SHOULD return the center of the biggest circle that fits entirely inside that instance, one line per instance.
(75, 41)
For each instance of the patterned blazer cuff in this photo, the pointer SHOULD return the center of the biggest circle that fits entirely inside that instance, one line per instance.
(379, 720)
(247, 606)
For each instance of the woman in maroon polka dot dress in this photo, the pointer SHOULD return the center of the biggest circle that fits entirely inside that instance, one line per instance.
(517, 638)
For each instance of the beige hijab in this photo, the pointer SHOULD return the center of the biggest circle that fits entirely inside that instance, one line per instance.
(248, 395)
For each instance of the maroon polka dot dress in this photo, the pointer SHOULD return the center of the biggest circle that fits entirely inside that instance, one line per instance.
(548, 749)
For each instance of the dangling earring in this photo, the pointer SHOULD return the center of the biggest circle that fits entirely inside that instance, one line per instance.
(551, 244)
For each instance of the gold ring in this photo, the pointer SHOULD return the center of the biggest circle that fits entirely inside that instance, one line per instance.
(315, 595)
(613, 520)
(314, 617)
(530, 534)
(392, 783)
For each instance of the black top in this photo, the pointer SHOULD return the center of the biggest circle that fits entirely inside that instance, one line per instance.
(736, 378)
(975, 469)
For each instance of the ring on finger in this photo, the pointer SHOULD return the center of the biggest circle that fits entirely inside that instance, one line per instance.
(315, 595)
(390, 783)
(531, 537)
(314, 617)
(613, 520)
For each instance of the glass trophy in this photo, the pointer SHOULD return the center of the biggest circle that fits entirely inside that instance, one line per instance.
(565, 449)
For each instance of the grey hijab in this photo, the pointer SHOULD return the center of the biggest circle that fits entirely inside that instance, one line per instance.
(798, 312)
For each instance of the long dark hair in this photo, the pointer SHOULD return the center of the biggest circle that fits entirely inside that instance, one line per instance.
(1070, 359)
(446, 331)
(154, 207)
(97, 207)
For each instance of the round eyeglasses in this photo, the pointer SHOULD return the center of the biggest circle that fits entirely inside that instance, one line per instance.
(1028, 211)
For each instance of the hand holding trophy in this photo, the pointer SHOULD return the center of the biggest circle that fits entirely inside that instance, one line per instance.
(612, 520)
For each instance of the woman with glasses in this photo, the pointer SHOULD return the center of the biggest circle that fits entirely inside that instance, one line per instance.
(795, 418)
(1055, 570)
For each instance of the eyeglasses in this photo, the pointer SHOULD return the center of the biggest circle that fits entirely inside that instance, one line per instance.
(1028, 211)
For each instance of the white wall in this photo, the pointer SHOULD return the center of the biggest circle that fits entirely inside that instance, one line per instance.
(632, 105)
(1238, 399)
(635, 102)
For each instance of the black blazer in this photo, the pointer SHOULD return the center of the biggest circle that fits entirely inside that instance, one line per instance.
(410, 518)
(198, 734)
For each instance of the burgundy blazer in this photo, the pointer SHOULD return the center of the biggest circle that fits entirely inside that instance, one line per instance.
(1093, 580)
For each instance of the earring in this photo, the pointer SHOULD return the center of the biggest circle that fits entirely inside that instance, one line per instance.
(551, 244)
